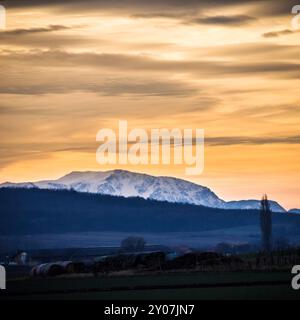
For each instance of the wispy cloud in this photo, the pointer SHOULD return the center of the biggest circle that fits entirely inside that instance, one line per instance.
(279, 33)
(259, 7)
(193, 18)
(231, 20)
(143, 63)
(115, 87)
(50, 28)
(240, 140)
(164, 15)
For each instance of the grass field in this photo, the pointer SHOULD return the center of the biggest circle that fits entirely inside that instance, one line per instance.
(225, 285)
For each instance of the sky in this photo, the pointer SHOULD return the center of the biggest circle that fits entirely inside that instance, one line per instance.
(70, 68)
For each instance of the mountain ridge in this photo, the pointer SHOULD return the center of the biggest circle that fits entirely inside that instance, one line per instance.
(60, 218)
(294, 210)
(132, 184)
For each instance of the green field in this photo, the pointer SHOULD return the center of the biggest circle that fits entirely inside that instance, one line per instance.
(208, 285)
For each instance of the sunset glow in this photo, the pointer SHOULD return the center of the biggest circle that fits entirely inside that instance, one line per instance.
(71, 68)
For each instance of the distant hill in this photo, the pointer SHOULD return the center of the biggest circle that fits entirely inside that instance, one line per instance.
(36, 211)
(131, 184)
(252, 204)
(297, 211)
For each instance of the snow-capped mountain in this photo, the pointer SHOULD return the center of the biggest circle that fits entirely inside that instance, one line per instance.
(130, 184)
(25, 185)
(253, 204)
(297, 211)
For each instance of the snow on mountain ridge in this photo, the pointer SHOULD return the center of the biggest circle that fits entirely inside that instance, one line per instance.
(130, 184)
(253, 204)
(295, 211)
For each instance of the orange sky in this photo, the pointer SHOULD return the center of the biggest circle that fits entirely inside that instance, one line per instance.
(232, 68)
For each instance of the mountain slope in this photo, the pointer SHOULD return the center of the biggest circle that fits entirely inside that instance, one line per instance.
(129, 184)
(35, 218)
(35, 211)
(253, 204)
(296, 211)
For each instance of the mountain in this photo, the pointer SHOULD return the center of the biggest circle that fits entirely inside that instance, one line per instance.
(35, 211)
(24, 185)
(253, 204)
(297, 211)
(129, 184)
(35, 218)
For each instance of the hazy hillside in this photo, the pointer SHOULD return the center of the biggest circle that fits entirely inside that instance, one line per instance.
(35, 211)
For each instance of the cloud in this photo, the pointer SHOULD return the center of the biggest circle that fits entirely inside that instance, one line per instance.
(50, 28)
(260, 8)
(279, 33)
(40, 37)
(238, 140)
(142, 63)
(114, 87)
(155, 4)
(191, 18)
(43, 37)
(233, 20)
(155, 15)
(247, 140)
(13, 152)
(263, 50)
(274, 8)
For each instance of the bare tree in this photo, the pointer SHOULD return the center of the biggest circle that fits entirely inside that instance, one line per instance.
(266, 224)
(133, 244)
